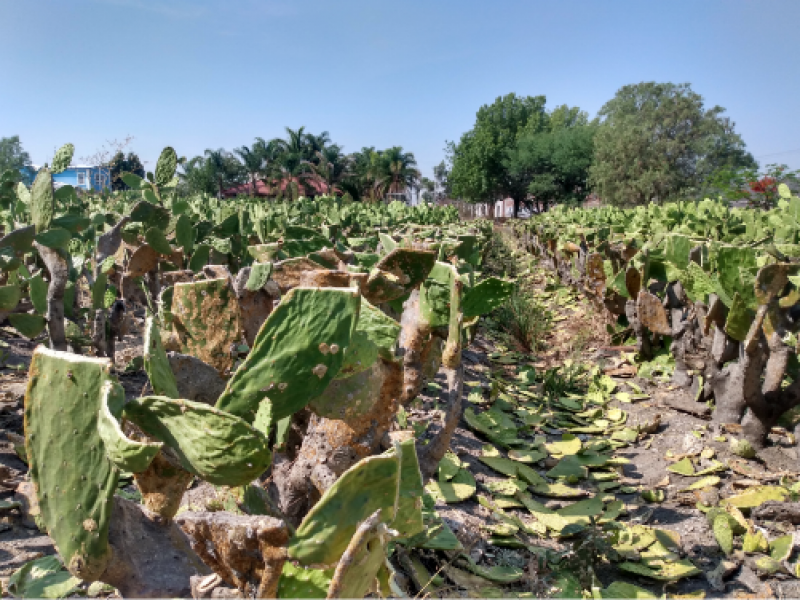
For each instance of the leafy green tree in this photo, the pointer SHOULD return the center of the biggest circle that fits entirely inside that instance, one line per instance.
(658, 142)
(441, 176)
(480, 171)
(12, 156)
(759, 188)
(555, 161)
(429, 187)
(121, 163)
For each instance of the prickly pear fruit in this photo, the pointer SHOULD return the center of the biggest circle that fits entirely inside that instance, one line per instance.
(156, 363)
(127, 454)
(369, 485)
(68, 464)
(298, 351)
(214, 445)
(205, 315)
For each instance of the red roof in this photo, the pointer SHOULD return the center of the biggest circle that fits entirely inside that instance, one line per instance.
(262, 189)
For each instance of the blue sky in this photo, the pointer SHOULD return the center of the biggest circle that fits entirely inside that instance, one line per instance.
(198, 74)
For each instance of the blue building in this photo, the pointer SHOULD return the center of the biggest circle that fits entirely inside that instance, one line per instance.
(84, 177)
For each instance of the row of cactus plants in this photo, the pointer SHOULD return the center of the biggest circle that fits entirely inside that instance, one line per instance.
(317, 317)
(717, 286)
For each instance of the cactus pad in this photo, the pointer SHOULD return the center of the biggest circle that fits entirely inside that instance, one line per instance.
(435, 295)
(298, 351)
(217, 446)
(486, 296)
(408, 520)
(42, 201)
(351, 397)
(156, 363)
(369, 485)
(127, 454)
(206, 318)
(68, 464)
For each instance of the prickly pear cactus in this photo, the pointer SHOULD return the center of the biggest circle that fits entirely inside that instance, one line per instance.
(156, 362)
(206, 319)
(68, 464)
(217, 446)
(297, 353)
(323, 536)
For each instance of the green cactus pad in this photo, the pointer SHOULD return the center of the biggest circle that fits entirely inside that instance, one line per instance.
(382, 329)
(150, 215)
(166, 165)
(412, 266)
(259, 275)
(42, 201)
(68, 464)
(62, 158)
(435, 294)
(156, 363)
(214, 445)
(486, 296)
(408, 520)
(156, 239)
(28, 325)
(296, 354)
(297, 582)
(359, 355)
(38, 292)
(184, 234)
(350, 397)
(127, 454)
(369, 485)
(55, 238)
(9, 296)
(21, 240)
(356, 572)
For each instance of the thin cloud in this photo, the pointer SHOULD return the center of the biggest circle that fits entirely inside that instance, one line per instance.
(176, 9)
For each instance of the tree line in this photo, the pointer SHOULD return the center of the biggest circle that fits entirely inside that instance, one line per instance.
(300, 164)
(303, 164)
(650, 142)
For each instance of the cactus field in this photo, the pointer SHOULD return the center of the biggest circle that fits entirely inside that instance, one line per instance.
(320, 398)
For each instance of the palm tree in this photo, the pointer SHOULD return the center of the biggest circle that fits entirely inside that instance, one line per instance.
(329, 167)
(398, 173)
(222, 168)
(253, 162)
